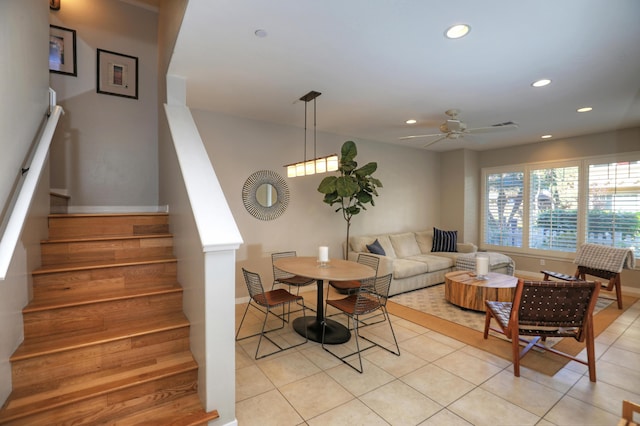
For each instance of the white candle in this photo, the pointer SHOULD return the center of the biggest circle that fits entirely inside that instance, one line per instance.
(323, 254)
(482, 265)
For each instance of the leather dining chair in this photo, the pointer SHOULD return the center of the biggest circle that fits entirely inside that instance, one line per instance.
(351, 286)
(266, 302)
(370, 297)
(281, 277)
(543, 309)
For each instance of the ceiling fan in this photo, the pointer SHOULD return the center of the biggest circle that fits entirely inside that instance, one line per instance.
(454, 128)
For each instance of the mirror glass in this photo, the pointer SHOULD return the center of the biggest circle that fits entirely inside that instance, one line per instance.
(265, 195)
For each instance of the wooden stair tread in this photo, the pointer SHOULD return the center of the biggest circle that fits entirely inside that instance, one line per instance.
(105, 339)
(65, 300)
(89, 386)
(105, 238)
(72, 215)
(52, 344)
(82, 266)
(185, 411)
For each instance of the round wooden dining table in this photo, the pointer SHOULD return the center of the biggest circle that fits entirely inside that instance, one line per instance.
(335, 270)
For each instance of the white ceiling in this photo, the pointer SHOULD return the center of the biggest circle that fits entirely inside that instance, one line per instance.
(378, 63)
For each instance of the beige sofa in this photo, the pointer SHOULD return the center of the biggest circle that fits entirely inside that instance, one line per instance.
(408, 257)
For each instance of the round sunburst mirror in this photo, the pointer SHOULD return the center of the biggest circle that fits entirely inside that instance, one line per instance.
(265, 195)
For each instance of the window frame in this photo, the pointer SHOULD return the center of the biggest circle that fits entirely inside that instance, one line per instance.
(583, 164)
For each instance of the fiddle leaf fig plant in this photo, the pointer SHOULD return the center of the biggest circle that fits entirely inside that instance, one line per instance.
(353, 188)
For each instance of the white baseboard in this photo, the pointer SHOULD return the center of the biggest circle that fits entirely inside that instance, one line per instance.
(241, 300)
(59, 191)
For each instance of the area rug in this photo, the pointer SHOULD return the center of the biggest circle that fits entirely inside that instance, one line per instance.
(428, 308)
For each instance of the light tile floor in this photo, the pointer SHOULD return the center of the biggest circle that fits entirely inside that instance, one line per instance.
(435, 381)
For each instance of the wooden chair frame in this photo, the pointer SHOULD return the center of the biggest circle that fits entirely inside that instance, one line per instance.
(613, 283)
(575, 300)
(628, 408)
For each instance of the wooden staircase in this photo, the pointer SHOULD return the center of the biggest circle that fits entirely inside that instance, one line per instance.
(106, 341)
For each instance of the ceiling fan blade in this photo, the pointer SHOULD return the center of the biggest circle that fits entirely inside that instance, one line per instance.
(494, 128)
(434, 141)
(421, 136)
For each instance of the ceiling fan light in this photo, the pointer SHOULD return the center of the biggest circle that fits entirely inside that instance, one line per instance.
(457, 31)
(541, 83)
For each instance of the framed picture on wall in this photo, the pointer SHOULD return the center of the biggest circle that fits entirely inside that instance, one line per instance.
(62, 51)
(117, 74)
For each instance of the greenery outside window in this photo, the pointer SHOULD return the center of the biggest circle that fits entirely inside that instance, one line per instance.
(614, 204)
(553, 208)
(556, 207)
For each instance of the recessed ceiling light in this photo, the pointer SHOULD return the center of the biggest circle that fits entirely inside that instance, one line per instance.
(541, 83)
(412, 121)
(457, 31)
(260, 33)
(585, 109)
(546, 136)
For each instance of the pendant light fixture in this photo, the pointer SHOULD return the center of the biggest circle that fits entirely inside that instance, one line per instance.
(316, 164)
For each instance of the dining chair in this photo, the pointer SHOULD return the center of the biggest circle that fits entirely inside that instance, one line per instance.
(543, 309)
(267, 300)
(370, 297)
(281, 277)
(351, 286)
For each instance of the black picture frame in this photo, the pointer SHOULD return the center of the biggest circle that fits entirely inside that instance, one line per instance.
(62, 51)
(117, 74)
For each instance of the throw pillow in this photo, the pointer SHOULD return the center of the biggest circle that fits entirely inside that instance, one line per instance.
(444, 240)
(376, 248)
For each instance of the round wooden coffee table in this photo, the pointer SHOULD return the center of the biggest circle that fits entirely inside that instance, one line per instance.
(463, 289)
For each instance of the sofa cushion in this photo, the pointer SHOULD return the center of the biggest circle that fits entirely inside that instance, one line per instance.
(434, 262)
(405, 245)
(425, 241)
(385, 242)
(404, 268)
(446, 241)
(359, 244)
(376, 248)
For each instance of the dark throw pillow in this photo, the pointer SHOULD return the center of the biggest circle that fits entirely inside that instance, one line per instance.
(376, 248)
(444, 240)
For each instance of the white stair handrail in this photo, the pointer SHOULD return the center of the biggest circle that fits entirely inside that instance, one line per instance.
(20, 210)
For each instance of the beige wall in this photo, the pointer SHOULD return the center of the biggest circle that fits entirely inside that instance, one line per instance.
(24, 83)
(583, 146)
(238, 148)
(105, 149)
(459, 193)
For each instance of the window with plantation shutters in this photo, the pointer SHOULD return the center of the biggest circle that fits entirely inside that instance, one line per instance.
(556, 207)
(553, 208)
(613, 216)
(503, 209)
